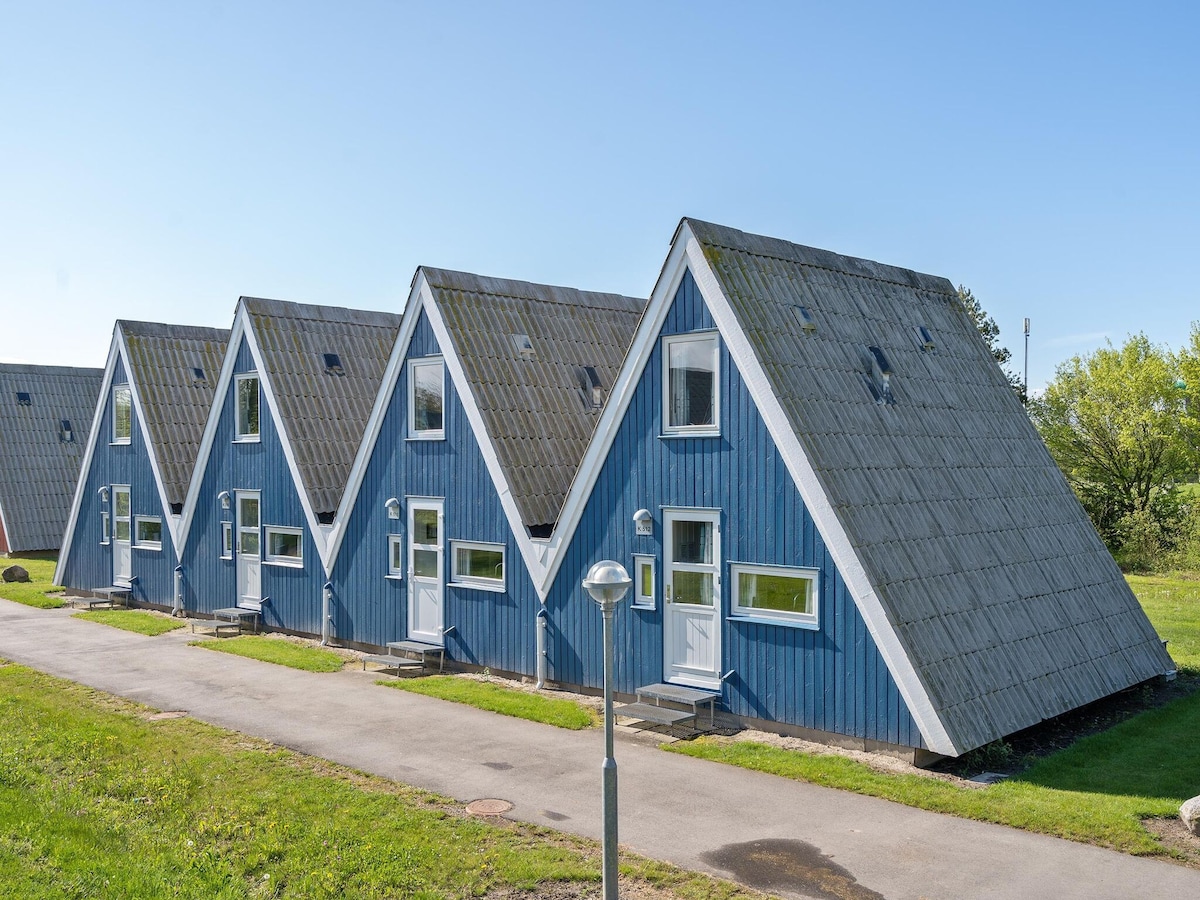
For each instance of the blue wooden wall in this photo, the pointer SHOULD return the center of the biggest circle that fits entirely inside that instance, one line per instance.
(831, 679)
(490, 628)
(90, 563)
(210, 582)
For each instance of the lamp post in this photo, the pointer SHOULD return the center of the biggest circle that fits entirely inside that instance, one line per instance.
(608, 582)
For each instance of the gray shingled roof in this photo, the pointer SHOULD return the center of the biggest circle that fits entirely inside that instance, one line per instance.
(175, 403)
(1001, 593)
(324, 415)
(38, 470)
(536, 410)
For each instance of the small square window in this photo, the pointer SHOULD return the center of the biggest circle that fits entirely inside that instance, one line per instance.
(643, 581)
(477, 565)
(226, 540)
(122, 421)
(148, 532)
(690, 384)
(247, 407)
(105, 528)
(783, 593)
(425, 396)
(23, 398)
(284, 546)
(395, 543)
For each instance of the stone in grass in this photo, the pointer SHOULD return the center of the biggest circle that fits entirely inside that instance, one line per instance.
(1189, 814)
(15, 573)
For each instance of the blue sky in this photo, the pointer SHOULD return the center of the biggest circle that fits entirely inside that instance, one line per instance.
(159, 160)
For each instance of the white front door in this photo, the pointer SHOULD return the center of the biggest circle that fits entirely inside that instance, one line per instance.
(249, 551)
(425, 584)
(692, 594)
(122, 534)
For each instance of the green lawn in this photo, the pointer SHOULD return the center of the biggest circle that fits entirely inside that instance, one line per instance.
(1097, 790)
(274, 650)
(98, 800)
(33, 592)
(500, 699)
(131, 620)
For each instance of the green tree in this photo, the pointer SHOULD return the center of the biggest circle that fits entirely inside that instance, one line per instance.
(1116, 423)
(990, 332)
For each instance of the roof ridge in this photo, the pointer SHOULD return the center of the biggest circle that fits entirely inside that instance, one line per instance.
(482, 290)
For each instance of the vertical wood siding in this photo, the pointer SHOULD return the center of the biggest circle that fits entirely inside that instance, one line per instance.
(210, 582)
(831, 679)
(90, 564)
(490, 628)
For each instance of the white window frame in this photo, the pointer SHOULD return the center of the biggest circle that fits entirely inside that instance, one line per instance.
(499, 585)
(692, 337)
(147, 545)
(105, 527)
(395, 545)
(117, 517)
(226, 540)
(771, 616)
(426, 434)
(271, 559)
(122, 439)
(241, 437)
(640, 600)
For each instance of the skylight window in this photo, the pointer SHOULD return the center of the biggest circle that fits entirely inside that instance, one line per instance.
(925, 339)
(877, 375)
(199, 379)
(23, 398)
(333, 364)
(805, 317)
(590, 388)
(66, 434)
(524, 346)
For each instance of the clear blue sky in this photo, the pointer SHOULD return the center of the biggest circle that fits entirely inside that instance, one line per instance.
(158, 160)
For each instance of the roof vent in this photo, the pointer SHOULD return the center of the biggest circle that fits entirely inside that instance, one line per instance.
(805, 317)
(524, 346)
(925, 339)
(333, 364)
(199, 379)
(590, 388)
(877, 373)
(65, 433)
(23, 399)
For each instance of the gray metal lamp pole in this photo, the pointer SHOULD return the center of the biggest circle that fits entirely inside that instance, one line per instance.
(608, 582)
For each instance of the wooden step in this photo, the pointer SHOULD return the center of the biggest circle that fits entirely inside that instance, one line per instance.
(662, 715)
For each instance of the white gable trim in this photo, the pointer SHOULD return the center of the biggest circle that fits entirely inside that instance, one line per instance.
(151, 449)
(533, 559)
(815, 499)
(110, 366)
(366, 450)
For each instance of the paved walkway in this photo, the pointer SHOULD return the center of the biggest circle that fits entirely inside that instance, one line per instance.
(784, 835)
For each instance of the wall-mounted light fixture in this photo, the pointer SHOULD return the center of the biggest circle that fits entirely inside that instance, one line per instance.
(224, 498)
(643, 522)
(103, 492)
(393, 508)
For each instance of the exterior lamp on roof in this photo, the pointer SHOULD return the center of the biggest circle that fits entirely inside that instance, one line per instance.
(608, 583)
(393, 508)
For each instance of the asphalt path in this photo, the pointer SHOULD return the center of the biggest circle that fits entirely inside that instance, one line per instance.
(789, 838)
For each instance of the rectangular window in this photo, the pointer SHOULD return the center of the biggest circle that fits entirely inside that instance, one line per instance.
(478, 565)
(122, 421)
(226, 540)
(395, 543)
(425, 391)
(148, 531)
(643, 581)
(690, 384)
(284, 545)
(121, 518)
(247, 407)
(105, 533)
(775, 592)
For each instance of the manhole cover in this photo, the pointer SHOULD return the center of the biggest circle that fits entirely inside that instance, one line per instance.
(488, 807)
(170, 714)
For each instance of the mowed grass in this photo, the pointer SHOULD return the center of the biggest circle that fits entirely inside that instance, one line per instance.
(99, 800)
(1097, 790)
(275, 650)
(131, 620)
(500, 699)
(41, 580)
